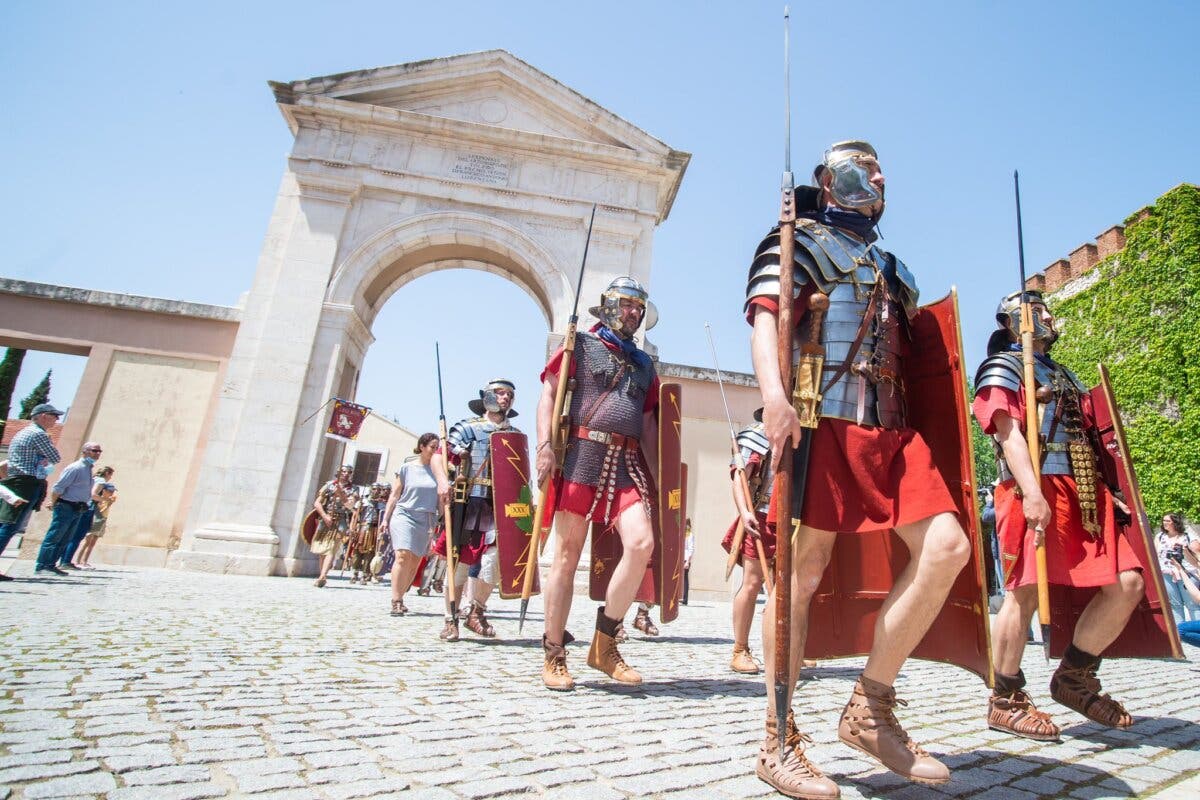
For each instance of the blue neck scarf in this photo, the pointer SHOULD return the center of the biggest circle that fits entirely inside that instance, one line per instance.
(851, 221)
(1046, 360)
(627, 346)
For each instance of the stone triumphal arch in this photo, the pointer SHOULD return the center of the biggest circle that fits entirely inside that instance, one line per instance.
(478, 161)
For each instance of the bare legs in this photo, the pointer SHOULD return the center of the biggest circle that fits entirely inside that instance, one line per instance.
(637, 543)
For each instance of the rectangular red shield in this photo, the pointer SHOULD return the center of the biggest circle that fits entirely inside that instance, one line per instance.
(667, 520)
(667, 562)
(864, 567)
(512, 505)
(1151, 631)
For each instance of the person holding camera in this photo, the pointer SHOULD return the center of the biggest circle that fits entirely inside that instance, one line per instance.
(1179, 556)
(1189, 631)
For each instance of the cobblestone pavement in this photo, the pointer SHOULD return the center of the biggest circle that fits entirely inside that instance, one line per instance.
(156, 684)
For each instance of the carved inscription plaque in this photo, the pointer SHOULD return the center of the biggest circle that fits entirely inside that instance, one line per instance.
(480, 169)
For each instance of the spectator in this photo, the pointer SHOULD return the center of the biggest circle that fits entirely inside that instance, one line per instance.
(689, 547)
(1188, 631)
(92, 524)
(31, 456)
(1176, 544)
(69, 496)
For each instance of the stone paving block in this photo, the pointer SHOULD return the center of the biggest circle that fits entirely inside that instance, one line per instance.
(349, 774)
(178, 791)
(438, 793)
(42, 744)
(36, 772)
(289, 794)
(167, 775)
(495, 787)
(1008, 793)
(262, 766)
(30, 759)
(156, 756)
(220, 756)
(72, 786)
(1039, 784)
(558, 777)
(366, 788)
(251, 783)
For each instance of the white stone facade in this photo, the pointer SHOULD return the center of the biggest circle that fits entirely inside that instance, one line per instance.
(474, 161)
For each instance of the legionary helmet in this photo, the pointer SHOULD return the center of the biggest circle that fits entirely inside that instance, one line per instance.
(850, 164)
(609, 310)
(487, 397)
(1008, 317)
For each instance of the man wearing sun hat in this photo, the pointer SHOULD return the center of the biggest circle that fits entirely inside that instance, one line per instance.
(69, 497)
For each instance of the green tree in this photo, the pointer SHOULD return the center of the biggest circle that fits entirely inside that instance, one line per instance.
(39, 395)
(1141, 318)
(10, 370)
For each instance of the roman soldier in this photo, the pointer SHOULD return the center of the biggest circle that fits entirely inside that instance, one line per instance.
(611, 438)
(752, 515)
(473, 519)
(365, 536)
(1080, 517)
(870, 473)
(335, 505)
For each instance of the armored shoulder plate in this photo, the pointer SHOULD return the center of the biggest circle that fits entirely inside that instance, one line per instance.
(754, 439)
(1001, 369)
(825, 256)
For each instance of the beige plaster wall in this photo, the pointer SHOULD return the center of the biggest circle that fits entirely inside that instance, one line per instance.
(149, 416)
(706, 451)
(381, 435)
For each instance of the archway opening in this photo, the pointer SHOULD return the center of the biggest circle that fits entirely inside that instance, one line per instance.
(486, 326)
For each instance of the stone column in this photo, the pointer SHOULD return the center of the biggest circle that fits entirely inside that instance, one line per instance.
(230, 526)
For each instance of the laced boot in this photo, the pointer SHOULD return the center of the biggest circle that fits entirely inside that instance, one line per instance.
(869, 724)
(603, 654)
(643, 623)
(554, 671)
(450, 632)
(477, 622)
(1075, 685)
(743, 661)
(792, 773)
(1012, 711)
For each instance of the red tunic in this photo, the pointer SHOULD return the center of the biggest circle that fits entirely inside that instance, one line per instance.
(862, 478)
(577, 497)
(1072, 557)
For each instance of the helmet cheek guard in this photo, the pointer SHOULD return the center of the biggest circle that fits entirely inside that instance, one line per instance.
(1008, 316)
(609, 310)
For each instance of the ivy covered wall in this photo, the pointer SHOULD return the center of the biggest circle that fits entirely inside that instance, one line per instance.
(1141, 318)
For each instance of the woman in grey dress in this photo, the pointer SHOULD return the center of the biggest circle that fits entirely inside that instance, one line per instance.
(420, 487)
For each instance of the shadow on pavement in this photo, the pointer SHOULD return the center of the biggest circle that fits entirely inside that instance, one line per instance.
(691, 689)
(1132, 737)
(883, 784)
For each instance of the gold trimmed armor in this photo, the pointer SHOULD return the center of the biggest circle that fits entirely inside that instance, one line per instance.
(871, 297)
(1065, 447)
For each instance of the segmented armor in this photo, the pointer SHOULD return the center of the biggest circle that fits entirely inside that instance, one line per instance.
(1065, 446)
(472, 437)
(752, 440)
(608, 397)
(861, 280)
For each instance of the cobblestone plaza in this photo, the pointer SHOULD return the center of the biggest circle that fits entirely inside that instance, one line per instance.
(123, 683)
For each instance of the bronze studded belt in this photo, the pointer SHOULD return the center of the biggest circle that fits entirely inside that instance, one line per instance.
(604, 437)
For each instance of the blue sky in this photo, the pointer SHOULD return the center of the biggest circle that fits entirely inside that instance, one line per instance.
(144, 150)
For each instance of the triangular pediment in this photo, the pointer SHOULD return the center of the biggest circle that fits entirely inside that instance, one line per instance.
(492, 88)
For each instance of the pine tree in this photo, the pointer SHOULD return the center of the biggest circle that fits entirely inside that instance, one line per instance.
(39, 395)
(10, 370)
